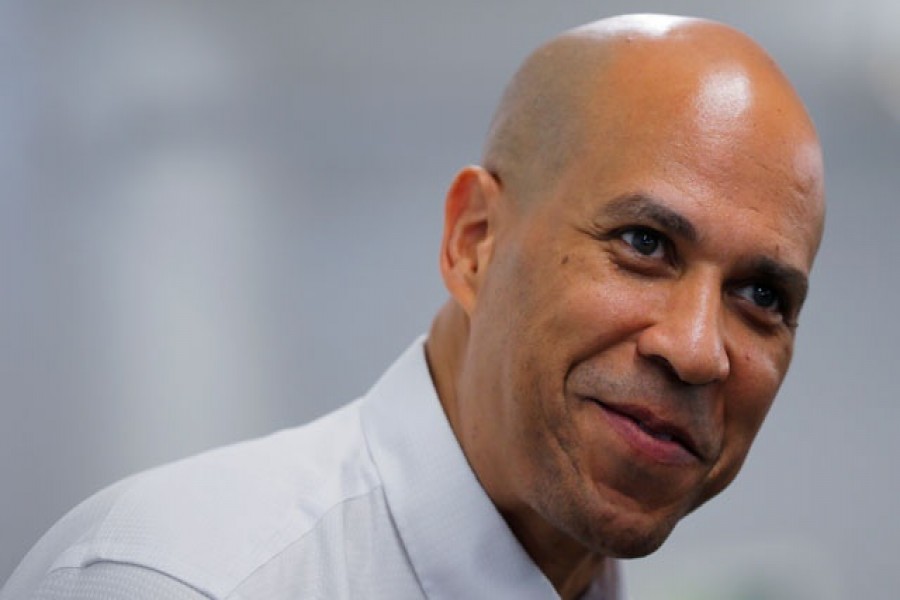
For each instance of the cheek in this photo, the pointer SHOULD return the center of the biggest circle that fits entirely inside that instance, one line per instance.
(757, 373)
(593, 305)
(753, 383)
(555, 309)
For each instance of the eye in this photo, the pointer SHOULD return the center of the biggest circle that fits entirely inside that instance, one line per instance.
(645, 241)
(761, 295)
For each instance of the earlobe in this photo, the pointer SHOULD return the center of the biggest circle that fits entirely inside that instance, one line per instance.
(469, 230)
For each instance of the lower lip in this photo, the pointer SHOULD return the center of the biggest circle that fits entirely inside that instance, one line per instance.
(668, 452)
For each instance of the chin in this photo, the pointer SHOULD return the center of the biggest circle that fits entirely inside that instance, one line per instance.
(632, 536)
(631, 543)
(606, 528)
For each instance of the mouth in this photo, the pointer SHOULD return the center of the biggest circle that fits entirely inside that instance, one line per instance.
(660, 439)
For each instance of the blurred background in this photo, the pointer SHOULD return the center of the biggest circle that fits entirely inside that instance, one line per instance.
(222, 219)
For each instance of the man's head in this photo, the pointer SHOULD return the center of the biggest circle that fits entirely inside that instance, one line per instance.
(627, 270)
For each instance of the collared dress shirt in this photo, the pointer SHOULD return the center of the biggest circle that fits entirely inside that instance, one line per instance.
(375, 500)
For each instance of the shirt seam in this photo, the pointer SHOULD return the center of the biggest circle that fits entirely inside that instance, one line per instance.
(275, 555)
(108, 561)
(225, 593)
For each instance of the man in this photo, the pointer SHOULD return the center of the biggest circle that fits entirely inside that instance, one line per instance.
(626, 270)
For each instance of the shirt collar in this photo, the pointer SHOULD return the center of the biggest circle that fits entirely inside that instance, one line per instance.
(456, 540)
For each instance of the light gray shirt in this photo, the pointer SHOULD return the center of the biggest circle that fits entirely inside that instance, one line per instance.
(375, 500)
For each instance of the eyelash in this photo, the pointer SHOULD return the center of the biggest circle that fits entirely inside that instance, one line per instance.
(779, 302)
(662, 242)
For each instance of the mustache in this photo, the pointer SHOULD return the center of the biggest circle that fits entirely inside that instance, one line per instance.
(650, 391)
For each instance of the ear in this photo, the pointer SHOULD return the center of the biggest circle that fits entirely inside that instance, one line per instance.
(470, 226)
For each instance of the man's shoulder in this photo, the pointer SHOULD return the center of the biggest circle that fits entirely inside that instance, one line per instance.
(212, 519)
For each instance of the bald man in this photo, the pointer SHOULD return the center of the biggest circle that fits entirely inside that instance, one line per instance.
(626, 269)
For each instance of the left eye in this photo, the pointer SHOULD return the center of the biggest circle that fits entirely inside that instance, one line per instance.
(761, 295)
(644, 241)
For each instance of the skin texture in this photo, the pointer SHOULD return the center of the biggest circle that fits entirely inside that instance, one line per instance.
(631, 256)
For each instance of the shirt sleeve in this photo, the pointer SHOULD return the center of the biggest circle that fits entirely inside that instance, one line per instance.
(113, 581)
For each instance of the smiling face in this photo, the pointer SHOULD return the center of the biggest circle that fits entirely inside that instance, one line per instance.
(629, 328)
(637, 333)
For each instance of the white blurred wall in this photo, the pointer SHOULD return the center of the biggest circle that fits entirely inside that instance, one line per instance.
(218, 220)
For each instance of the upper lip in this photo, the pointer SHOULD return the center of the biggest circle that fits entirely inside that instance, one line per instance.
(655, 424)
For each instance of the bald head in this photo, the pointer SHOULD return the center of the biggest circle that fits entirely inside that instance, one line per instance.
(620, 80)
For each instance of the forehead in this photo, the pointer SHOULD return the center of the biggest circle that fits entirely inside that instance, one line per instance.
(721, 147)
(732, 207)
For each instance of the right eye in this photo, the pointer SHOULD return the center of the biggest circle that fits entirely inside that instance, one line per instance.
(646, 242)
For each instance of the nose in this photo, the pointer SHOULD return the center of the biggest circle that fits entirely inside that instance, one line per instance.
(687, 335)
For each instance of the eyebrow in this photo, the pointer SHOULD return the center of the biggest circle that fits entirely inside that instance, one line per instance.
(641, 206)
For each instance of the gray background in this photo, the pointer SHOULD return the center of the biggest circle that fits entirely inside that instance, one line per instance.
(218, 220)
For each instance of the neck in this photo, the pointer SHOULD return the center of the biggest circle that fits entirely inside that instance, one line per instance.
(444, 352)
(569, 566)
(565, 562)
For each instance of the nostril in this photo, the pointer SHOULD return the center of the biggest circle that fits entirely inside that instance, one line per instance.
(667, 367)
(687, 376)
